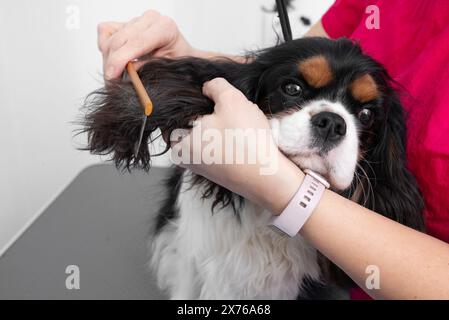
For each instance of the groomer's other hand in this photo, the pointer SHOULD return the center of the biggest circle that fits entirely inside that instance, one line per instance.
(260, 180)
(150, 33)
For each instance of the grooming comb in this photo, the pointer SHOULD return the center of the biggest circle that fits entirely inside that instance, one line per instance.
(144, 99)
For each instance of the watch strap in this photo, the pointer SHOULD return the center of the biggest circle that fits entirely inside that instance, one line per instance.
(302, 205)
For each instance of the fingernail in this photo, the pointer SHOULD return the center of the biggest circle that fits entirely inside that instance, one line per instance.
(110, 73)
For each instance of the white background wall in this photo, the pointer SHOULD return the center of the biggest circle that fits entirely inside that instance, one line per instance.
(47, 69)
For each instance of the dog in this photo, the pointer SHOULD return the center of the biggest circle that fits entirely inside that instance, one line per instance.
(333, 109)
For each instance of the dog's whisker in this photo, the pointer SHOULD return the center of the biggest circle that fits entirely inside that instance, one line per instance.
(362, 187)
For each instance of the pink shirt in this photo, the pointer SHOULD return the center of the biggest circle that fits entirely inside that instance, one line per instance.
(412, 42)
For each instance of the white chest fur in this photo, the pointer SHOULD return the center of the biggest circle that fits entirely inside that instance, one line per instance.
(205, 255)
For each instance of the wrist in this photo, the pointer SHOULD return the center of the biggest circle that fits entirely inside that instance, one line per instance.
(213, 55)
(202, 54)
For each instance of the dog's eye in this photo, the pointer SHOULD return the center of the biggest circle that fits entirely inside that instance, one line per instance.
(292, 89)
(366, 117)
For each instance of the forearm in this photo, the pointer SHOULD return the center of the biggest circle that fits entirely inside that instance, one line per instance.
(317, 30)
(412, 265)
(212, 55)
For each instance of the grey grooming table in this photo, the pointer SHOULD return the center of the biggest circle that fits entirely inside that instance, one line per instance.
(99, 223)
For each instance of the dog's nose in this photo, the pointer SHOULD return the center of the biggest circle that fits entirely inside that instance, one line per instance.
(329, 126)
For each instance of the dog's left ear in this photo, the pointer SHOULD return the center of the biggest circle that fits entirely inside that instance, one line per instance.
(395, 191)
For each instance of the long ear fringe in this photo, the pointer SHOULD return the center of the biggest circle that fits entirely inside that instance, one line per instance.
(111, 121)
(113, 115)
(396, 192)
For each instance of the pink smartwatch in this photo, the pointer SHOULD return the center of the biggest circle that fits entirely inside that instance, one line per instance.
(301, 207)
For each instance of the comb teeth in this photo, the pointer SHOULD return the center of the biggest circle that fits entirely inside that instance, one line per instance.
(139, 142)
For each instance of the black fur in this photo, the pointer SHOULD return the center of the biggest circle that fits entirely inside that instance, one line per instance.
(168, 210)
(113, 117)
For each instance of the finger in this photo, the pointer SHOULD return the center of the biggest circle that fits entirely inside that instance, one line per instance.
(118, 39)
(134, 27)
(137, 45)
(219, 90)
(104, 31)
(131, 30)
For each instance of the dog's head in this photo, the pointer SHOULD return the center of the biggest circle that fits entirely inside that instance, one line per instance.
(327, 103)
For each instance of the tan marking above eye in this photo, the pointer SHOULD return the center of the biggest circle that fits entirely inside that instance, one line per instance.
(316, 71)
(364, 88)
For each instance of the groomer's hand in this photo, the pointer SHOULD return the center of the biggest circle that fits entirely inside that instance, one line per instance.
(271, 180)
(150, 33)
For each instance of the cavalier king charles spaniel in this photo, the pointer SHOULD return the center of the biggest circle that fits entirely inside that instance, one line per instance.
(333, 110)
